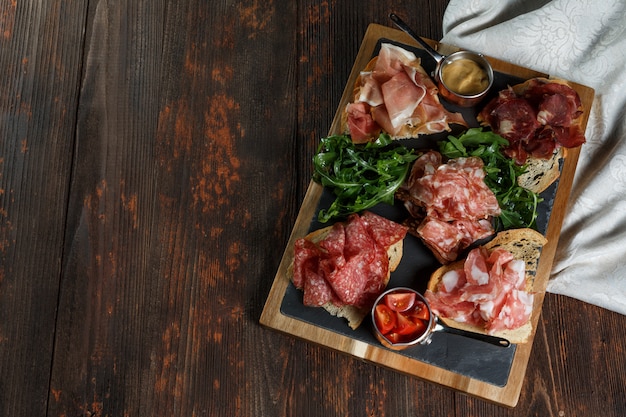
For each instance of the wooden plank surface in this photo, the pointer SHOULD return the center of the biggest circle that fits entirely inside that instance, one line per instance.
(150, 176)
(40, 58)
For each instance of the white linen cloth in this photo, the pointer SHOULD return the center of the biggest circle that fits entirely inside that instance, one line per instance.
(582, 41)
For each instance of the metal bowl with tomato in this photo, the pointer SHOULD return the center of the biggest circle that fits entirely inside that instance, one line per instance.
(401, 318)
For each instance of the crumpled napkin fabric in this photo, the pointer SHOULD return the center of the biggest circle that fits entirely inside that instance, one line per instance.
(583, 41)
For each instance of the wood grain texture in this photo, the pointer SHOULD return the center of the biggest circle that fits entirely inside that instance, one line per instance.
(152, 165)
(40, 61)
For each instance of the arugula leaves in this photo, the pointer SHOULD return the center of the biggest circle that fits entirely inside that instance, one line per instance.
(363, 175)
(360, 176)
(518, 205)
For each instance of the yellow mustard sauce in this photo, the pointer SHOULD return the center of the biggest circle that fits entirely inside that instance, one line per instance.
(464, 76)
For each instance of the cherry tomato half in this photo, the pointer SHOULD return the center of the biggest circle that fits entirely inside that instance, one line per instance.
(385, 318)
(394, 337)
(400, 301)
(420, 327)
(420, 311)
(405, 326)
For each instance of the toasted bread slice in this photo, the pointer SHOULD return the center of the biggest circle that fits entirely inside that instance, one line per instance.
(352, 314)
(541, 173)
(524, 244)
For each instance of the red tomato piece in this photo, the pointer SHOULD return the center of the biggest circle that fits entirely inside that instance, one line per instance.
(385, 318)
(420, 311)
(420, 328)
(405, 326)
(400, 301)
(393, 337)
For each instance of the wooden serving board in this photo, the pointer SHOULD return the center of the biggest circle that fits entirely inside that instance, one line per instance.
(283, 313)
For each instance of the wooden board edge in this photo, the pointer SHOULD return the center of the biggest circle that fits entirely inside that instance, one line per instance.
(507, 395)
(271, 316)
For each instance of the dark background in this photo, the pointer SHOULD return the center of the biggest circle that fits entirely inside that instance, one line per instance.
(153, 159)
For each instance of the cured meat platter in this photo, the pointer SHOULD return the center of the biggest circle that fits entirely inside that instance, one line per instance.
(470, 366)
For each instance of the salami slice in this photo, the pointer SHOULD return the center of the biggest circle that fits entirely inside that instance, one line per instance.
(335, 242)
(317, 291)
(306, 257)
(457, 190)
(358, 240)
(384, 231)
(376, 271)
(350, 265)
(350, 281)
(441, 237)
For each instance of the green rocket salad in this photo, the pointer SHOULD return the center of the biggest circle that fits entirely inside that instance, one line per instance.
(363, 175)
(360, 176)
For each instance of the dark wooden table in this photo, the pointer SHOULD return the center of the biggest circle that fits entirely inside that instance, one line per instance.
(152, 163)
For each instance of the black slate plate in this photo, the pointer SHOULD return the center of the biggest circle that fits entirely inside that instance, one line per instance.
(465, 356)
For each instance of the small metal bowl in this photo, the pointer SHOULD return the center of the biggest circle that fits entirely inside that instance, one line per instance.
(431, 325)
(454, 97)
(420, 337)
(448, 92)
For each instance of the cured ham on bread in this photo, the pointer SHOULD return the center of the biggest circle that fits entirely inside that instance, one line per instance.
(453, 201)
(345, 267)
(395, 95)
(491, 290)
(537, 117)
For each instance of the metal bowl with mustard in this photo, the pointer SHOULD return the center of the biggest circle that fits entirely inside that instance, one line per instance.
(464, 78)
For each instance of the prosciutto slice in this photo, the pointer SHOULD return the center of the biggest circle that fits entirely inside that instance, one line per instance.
(360, 122)
(394, 94)
(488, 291)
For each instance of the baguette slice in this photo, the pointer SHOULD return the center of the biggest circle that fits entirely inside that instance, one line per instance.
(541, 173)
(524, 244)
(352, 314)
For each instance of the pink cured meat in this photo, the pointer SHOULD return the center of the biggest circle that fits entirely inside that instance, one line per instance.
(441, 237)
(457, 190)
(448, 239)
(398, 93)
(427, 163)
(384, 231)
(488, 292)
(401, 97)
(457, 202)
(515, 311)
(360, 122)
(350, 265)
(537, 121)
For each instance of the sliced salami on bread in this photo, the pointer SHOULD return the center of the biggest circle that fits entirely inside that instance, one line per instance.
(353, 314)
